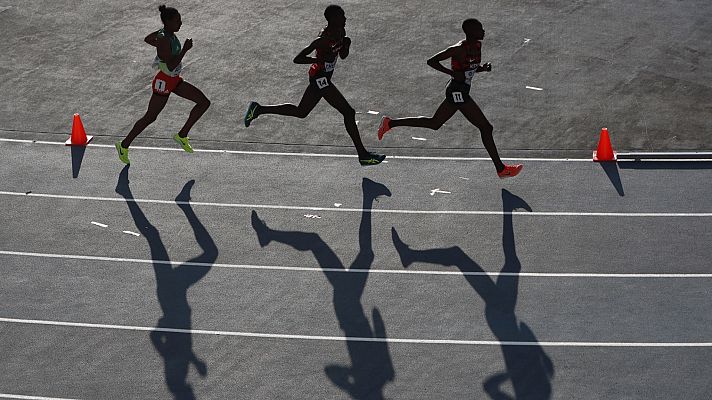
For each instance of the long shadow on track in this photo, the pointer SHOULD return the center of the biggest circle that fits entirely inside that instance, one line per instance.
(528, 367)
(371, 365)
(172, 286)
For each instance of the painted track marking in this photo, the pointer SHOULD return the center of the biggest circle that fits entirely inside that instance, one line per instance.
(258, 335)
(361, 210)
(363, 271)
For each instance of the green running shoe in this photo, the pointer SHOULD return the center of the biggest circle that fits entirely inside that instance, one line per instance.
(371, 159)
(250, 113)
(183, 142)
(123, 153)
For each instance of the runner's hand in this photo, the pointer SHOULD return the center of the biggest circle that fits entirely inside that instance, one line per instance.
(188, 44)
(347, 42)
(487, 67)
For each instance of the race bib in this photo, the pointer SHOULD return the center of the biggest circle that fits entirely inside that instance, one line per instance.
(322, 82)
(457, 97)
(329, 66)
(160, 86)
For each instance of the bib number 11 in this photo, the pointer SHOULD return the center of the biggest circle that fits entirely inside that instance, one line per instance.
(457, 97)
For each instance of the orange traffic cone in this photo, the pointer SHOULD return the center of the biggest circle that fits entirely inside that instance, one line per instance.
(605, 150)
(79, 136)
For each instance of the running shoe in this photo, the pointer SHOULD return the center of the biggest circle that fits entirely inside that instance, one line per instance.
(510, 171)
(250, 113)
(385, 127)
(183, 142)
(371, 159)
(123, 153)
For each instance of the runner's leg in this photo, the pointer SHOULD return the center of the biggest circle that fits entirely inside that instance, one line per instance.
(334, 97)
(474, 114)
(190, 92)
(155, 106)
(444, 112)
(309, 100)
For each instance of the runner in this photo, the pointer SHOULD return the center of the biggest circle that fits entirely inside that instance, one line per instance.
(465, 62)
(167, 81)
(332, 42)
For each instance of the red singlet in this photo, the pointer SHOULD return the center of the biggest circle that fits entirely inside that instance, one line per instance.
(328, 52)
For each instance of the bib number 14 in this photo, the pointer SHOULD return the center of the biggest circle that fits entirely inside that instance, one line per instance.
(322, 83)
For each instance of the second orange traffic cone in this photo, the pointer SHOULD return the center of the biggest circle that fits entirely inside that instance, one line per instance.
(604, 152)
(79, 136)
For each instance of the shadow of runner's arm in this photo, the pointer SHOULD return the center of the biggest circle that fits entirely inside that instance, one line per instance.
(202, 237)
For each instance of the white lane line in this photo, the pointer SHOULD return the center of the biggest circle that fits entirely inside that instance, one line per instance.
(361, 210)
(99, 224)
(131, 233)
(351, 338)
(273, 153)
(533, 88)
(433, 158)
(23, 397)
(365, 271)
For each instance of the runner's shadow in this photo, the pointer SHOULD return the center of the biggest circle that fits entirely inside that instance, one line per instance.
(529, 369)
(371, 366)
(77, 157)
(172, 286)
(611, 169)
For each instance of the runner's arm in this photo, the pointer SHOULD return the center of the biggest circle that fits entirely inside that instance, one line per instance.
(486, 67)
(344, 52)
(152, 39)
(164, 52)
(435, 61)
(303, 56)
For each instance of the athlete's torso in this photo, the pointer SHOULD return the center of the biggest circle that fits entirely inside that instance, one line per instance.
(328, 52)
(175, 50)
(467, 59)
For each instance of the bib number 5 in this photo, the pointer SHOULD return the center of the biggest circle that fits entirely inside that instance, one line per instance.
(457, 97)
(322, 83)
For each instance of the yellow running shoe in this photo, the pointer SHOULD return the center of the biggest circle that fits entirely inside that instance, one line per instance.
(183, 142)
(123, 153)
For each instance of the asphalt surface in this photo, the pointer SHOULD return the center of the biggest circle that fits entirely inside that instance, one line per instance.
(642, 70)
(229, 202)
(247, 274)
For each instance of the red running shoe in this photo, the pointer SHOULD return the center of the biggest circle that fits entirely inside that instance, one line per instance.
(385, 127)
(510, 171)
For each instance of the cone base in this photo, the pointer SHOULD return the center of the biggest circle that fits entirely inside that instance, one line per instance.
(69, 142)
(596, 159)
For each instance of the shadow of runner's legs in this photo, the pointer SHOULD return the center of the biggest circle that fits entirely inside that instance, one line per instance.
(371, 365)
(172, 285)
(528, 367)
